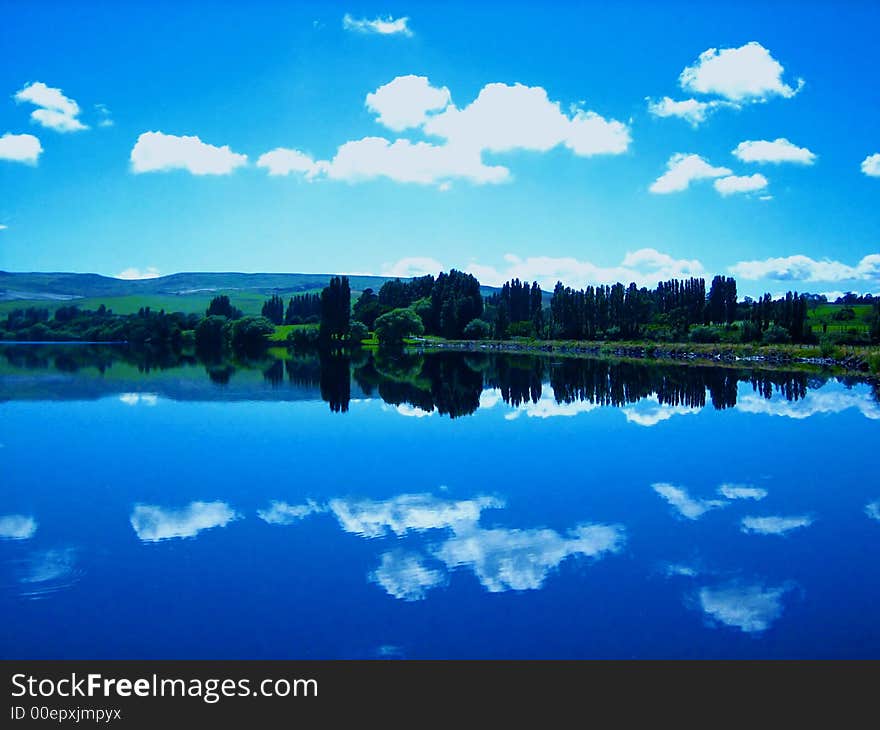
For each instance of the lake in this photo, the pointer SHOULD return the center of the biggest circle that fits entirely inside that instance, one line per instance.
(441, 506)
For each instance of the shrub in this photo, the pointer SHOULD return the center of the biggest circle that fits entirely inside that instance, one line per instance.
(358, 332)
(704, 334)
(394, 326)
(477, 329)
(776, 335)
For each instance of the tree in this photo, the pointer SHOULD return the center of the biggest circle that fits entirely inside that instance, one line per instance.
(210, 334)
(394, 326)
(367, 308)
(335, 309)
(220, 306)
(248, 334)
(273, 309)
(477, 329)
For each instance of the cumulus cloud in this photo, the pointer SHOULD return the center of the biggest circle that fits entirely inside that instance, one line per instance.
(505, 559)
(54, 110)
(406, 512)
(692, 111)
(749, 608)
(412, 266)
(158, 152)
(20, 148)
(406, 101)
(133, 273)
(779, 150)
(774, 525)
(683, 503)
(17, 527)
(507, 117)
(681, 170)
(644, 266)
(282, 161)
(410, 162)
(502, 118)
(872, 509)
(378, 26)
(282, 513)
(405, 576)
(871, 165)
(733, 184)
(742, 491)
(745, 74)
(804, 268)
(153, 523)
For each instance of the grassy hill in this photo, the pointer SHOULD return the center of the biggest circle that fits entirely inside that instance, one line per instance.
(185, 292)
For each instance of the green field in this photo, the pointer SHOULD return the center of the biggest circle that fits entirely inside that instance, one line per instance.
(823, 316)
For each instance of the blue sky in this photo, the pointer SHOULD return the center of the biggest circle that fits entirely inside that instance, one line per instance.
(507, 139)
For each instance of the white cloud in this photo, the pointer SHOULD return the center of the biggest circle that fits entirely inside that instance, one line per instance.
(548, 407)
(504, 559)
(404, 575)
(740, 184)
(20, 148)
(779, 150)
(774, 525)
(804, 268)
(17, 527)
(691, 110)
(871, 165)
(153, 523)
(405, 102)
(681, 170)
(410, 162)
(282, 161)
(3, 227)
(282, 513)
(872, 509)
(157, 152)
(742, 491)
(399, 515)
(645, 266)
(379, 26)
(502, 118)
(55, 110)
(749, 608)
(683, 503)
(412, 266)
(133, 273)
(745, 74)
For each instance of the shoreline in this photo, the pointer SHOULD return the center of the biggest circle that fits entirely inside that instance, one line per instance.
(855, 363)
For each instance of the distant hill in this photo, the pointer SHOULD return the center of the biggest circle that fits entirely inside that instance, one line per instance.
(63, 286)
(186, 292)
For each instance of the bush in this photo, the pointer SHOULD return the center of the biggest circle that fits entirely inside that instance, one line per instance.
(477, 329)
(776, 335)
(519, 329)
(704, 334)
(358, 332)
(394, 326)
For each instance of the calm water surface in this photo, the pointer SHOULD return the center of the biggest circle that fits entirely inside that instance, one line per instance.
(442, 506)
